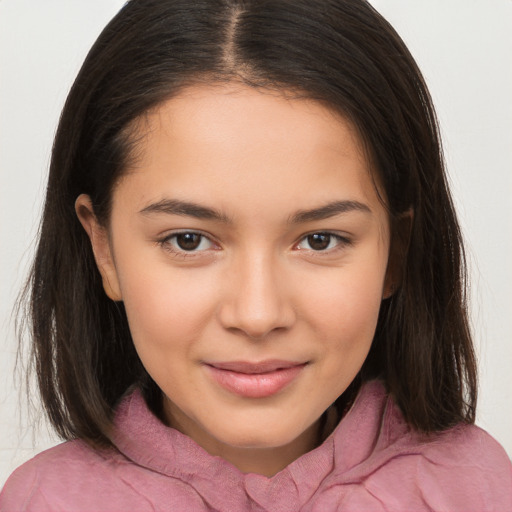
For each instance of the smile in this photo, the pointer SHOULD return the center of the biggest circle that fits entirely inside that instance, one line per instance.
(254, 380)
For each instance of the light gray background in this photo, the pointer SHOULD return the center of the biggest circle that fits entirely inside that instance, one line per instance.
(464, 48)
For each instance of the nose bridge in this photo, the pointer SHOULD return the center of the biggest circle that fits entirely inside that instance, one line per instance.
(257, 302)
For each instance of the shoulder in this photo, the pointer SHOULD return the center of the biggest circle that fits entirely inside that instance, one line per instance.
(462, 468)
(468, 448)
(73, 476)
(467, 469)
(64, 474)
(382, 460)
(465, 445)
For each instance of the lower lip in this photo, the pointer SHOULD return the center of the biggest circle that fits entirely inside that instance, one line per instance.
(255, 385)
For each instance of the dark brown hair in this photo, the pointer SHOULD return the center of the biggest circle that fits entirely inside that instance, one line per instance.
(339, 52)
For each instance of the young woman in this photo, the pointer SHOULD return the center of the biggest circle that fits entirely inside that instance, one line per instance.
(249, 287)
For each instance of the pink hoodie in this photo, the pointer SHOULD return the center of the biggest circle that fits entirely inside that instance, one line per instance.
(371, 462)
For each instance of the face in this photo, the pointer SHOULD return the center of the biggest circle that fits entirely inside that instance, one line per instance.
(250, 249)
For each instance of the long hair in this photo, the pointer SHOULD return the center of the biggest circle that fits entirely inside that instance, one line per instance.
(338, 52)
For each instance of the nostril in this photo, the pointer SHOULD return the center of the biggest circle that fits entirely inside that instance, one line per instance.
(255, 326)
(255, 334)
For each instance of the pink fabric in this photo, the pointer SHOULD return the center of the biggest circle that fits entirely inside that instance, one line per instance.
(371, 462)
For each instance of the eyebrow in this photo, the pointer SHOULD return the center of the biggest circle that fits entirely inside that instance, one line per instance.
(185, 208)
(188, 209)
(329, 210)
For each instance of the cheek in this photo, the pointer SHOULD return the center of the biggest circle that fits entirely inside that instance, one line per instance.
(164, 308)
(166, 316)
(348, 303)
(344, 309)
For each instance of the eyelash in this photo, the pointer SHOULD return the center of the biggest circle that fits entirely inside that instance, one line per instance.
(167, 244)
(342, 241)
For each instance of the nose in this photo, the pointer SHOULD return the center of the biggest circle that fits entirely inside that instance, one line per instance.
(256, 302)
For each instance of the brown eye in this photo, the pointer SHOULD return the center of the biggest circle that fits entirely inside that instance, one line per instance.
(188, 241)
(319, 241)
(323, 241)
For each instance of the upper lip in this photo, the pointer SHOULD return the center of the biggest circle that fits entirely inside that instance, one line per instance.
(250, 367)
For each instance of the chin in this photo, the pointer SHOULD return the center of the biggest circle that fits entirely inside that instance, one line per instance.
(269, 436)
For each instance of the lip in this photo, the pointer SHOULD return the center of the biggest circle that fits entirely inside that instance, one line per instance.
(255, 380)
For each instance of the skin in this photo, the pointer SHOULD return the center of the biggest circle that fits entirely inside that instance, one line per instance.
(255, 288)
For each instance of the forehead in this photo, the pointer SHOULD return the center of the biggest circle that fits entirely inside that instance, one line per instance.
(232, 141)
(214, 114)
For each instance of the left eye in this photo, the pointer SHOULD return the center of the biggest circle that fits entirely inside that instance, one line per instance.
(321, 241)
(189, 241)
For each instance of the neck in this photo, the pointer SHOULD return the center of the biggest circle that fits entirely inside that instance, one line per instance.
(265, 461)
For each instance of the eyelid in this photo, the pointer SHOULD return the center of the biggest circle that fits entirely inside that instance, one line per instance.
(164, 242)
(343, 241)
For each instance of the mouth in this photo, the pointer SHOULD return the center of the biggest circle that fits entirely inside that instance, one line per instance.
(255, 380)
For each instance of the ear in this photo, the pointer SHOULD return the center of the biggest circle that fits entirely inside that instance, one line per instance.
(100, 246)
(399, 247)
